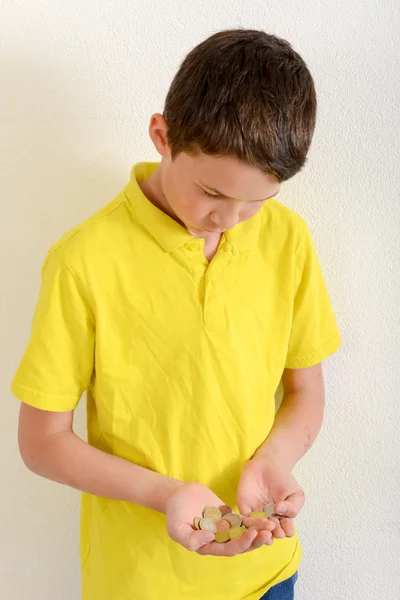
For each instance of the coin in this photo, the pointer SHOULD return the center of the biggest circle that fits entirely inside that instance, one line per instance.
(222, 525)
(234, 519)
(211, 512)
(236, 532)
(196, 522)
(270, 509)
(208, 525)
(206, 508)
(222, 536)
(225, 509)
(258, 514)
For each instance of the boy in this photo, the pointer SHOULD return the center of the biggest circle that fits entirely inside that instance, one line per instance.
(179, 307)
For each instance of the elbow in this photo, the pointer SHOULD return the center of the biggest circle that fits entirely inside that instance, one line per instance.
(31, 452)
(28, 455)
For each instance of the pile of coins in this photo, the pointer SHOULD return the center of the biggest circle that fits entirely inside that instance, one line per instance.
(227, 525)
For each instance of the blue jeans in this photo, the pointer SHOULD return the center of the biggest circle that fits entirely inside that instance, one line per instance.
(282, 591)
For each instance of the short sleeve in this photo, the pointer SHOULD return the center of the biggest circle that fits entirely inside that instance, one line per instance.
(58, 362)
(314, 332)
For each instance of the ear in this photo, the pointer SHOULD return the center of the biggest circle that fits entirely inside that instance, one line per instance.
(158, 129)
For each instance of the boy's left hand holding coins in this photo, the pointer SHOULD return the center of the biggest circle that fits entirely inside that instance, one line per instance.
(264, 481)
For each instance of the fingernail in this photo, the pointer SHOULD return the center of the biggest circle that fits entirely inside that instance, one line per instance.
(281, 508)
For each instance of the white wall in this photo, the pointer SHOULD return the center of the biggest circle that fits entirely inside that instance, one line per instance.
(79, 81)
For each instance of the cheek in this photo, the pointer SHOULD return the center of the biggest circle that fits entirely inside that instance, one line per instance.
(185, 206)
(191, 206)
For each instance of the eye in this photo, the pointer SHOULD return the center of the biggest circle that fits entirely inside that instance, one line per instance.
(210, 195)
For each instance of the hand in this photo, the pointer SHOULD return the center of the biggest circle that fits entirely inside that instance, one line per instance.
(188, 501)
(264, 481)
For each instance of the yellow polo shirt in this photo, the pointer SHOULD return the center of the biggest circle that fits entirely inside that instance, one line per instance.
(180, 359)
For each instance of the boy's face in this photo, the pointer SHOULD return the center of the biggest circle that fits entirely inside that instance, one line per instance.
(209, 194)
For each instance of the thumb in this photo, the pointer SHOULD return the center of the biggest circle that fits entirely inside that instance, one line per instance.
(246, 504)
(291, 505)
(244, 507)
(197, 538)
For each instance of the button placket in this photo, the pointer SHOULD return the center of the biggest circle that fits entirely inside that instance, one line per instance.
(214, 306)
(194, 246)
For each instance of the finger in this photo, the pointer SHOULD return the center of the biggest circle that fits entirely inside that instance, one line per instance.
(259, 524)
(231, 548)
(288, 527)
(271, 541)
(196, 539)
(278, 532)
(291, 506)
(264, 538)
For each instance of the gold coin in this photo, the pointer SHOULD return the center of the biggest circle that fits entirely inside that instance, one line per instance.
(258, 514)
(206, 508)
(234, 519)
(235, 532)
(222, 536)
(211, 512)
(196, 522)
(225, 509)
(208, 525)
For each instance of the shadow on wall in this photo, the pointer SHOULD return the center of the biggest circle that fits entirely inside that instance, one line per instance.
(58, 167)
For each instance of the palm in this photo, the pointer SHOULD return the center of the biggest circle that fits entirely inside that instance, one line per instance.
(187, 502)
(254, 488)
(265, 482)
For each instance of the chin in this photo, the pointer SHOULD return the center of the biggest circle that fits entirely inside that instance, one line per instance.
(203, 230)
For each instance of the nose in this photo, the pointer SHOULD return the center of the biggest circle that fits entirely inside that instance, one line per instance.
(226, 218)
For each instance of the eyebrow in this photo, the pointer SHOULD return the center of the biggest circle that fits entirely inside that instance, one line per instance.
(216, 192)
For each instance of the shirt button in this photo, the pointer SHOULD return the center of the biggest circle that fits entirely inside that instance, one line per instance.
(193, 246)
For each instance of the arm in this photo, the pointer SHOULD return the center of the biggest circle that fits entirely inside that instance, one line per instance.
(267, 477)
(299, 417)
(50, 448)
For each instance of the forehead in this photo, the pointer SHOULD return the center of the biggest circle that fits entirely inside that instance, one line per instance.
(228, 175)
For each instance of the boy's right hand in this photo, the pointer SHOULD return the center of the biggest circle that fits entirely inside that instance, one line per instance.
(188, 501)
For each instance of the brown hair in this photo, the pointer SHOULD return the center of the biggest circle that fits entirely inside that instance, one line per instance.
(245, 93)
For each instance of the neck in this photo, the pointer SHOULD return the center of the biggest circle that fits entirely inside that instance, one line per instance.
(152, 189)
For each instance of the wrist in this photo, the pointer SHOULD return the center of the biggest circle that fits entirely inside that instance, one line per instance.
(163, 492)
(269, 455)
(152, 489)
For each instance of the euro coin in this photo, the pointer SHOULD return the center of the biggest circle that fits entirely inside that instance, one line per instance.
(258, 514)
(234, 519)
(235, 532)
(222, 536)
(196, 522)
(208, 525)
(222, 525)
(225, 509)
(211, 512)
(270, 509)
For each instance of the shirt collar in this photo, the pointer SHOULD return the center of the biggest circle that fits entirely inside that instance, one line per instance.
(170, 234)
(244, 236)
